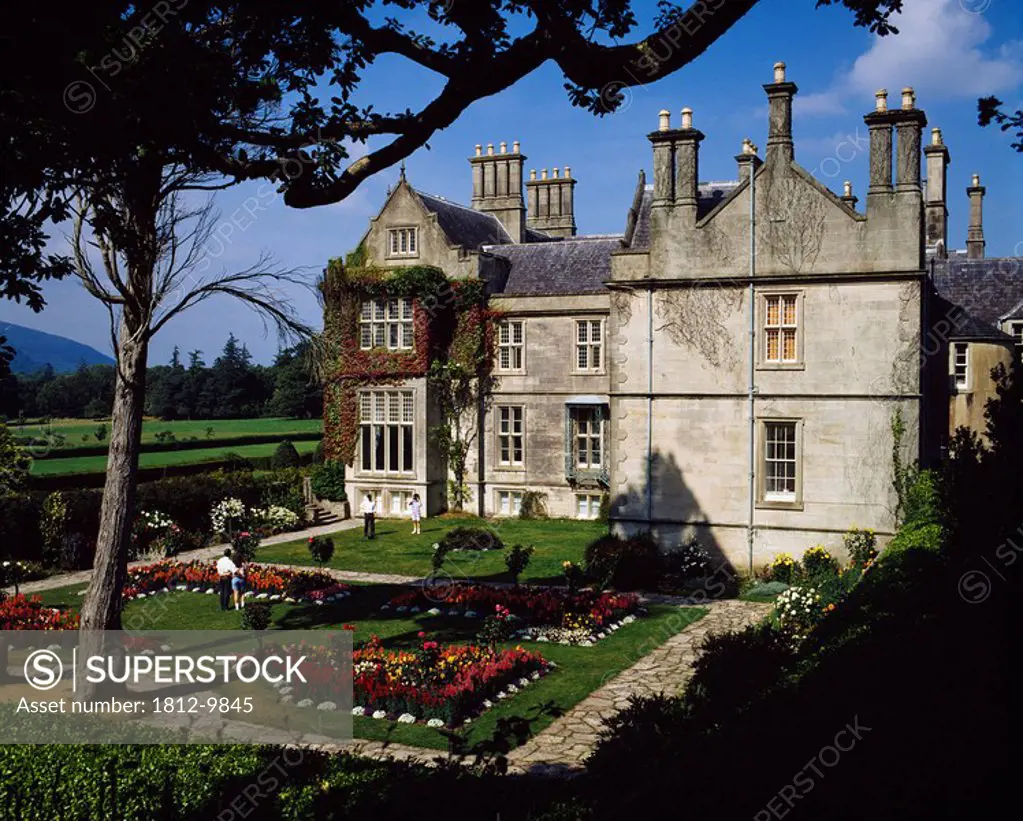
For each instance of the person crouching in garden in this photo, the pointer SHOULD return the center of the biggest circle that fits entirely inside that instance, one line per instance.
(226, 569)
(369, 513)
(416, 508)
(238, 587)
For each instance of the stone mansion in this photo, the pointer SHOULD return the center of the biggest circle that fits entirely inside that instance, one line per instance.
(729, 366)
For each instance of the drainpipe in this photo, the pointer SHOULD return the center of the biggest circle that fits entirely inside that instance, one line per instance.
(752, 358)
(650, 405)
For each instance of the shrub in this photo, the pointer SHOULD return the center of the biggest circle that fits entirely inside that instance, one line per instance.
(634, 563)
(321, 548)
(69, 526)
(861, 545)
(244, 545)
(764, 591)
(273, 519)
(286, 456)
(256, 615)
(497, 627)
(604, 511)
(819, 563)
(471, 538)
(517, 560)
(798, 611)
(228, 516)
(318, 453)
(328, 481)
(689, 560)
(784, 569)
(236, 463)
(440, 553)
(101, 433)
(736, 668)
(20, 518)
(533, 505)
(574, 576)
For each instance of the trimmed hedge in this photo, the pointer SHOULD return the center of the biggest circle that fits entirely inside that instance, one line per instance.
(69, 451)
(38, 526)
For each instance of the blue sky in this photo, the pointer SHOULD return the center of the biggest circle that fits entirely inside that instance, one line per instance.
(951, 51)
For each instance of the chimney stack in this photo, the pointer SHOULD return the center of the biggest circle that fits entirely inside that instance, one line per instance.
(909, 123)
(676, 164)
(935, 202)
(780, 147)
(879, 124)
(975, 233)
(748, 160)
(497, 186)
(551, 202)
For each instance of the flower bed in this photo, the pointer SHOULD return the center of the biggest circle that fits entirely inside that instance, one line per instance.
(261, 582)
(546, 614)
(21, 613)
(438, 685)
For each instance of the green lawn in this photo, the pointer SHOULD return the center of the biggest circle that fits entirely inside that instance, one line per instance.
(74, 429)
(97, 464)
(580, 669)
(396, 550)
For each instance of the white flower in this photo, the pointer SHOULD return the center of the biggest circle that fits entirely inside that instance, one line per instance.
(523, 682)
(433, 611)
(406, 718)
(358, 711)
(287, 699)
(470, 614)
(306, 702)
(286, 690)
(535, 675)
(488, 703)
(326, 706)
(434, 722)
(379, 714)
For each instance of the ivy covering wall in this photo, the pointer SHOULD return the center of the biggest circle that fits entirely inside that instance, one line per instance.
(451, 323)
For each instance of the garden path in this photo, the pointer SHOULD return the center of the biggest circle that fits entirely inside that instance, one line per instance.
(563, 747)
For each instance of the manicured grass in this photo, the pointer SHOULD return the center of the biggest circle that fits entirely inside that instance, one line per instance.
(580, 671)
(396, 550)
(93, 464)
(74, 429)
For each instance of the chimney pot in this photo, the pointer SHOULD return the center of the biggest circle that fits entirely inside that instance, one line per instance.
(568, 173)
(515, 147)
(479, 150)
(779, 72)
(936, 136)
(687, 118)
(908, 99)
(532, 173)
(543, 173)
(664, 120)
(881, 100)
(976, 180)
(490, 149)
(504, 147)
(555, 172)
(847, 189)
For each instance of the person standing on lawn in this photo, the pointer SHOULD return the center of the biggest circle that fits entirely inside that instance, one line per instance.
(416, 507)
(369, 515)
(226, 569)
(238, 587)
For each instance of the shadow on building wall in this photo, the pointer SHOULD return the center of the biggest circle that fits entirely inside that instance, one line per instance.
(672, 516)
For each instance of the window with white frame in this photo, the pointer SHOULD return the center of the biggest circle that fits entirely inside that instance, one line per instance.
(587, 505)
(399, 502)
(781, 326)
(961, 364)
(510, 435)
(780, 461)
(386, 323)
(403, 242)
(589, 344)
(509, 502)
(510, 345)
(1016, 329)
(587, 437)
(386, 421)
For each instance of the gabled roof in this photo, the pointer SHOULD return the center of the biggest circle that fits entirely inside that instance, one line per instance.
(580, 265)
(711, 195)
(987, 290)
(463, 225)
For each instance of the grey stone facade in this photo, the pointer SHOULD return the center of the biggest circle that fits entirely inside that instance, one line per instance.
(765, 317)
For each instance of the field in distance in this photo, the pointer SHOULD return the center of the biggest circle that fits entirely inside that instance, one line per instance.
(74, 429)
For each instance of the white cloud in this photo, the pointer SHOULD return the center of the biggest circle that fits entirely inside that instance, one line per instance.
(942, 50)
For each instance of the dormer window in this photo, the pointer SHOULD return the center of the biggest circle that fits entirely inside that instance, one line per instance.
(386, 323)
(403, 242)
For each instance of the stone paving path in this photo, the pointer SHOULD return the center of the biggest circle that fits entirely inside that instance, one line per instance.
(563, 747)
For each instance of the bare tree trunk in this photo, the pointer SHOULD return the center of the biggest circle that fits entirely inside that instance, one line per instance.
(102, 607)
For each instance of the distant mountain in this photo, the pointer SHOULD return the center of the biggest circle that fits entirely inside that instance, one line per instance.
(36, 349)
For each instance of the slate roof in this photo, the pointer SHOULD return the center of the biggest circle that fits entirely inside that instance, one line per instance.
(987, 290)
(711, 194)
(579, 265)
(463, 225)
